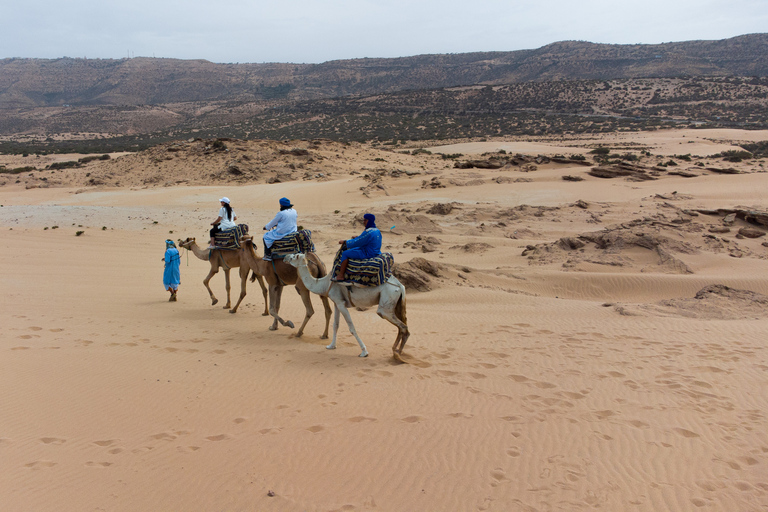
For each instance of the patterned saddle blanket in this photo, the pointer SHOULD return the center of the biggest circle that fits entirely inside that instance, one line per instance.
(230, 238)
(368, 272)
(300, 241)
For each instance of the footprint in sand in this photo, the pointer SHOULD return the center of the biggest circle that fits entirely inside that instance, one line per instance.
(164, 436)
(53, 440)
(220, 437)
(316, 428)
(685, 432)
(412, 419)
(40, 464)
(360, 419)
(55, 330)
(107, 442)
(98, 464)
(19, 348)
(239, 420)
(35, 328)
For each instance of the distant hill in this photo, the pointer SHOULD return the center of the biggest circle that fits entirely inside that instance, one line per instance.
(28, 83)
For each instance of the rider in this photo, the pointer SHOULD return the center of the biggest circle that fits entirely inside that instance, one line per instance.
(284, 224)
(367, 245)
(225, 220)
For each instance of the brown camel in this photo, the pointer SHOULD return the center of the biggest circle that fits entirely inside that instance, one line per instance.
(226, 259)
(279, 274)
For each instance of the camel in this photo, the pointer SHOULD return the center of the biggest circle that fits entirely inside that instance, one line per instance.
(226, 259)
(279, 274)
(390, 297)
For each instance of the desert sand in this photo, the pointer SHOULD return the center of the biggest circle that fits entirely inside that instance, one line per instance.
(558, 360)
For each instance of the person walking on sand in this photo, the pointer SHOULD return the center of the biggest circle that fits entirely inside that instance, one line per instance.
(172, 273)
(366, 245)
(225, 220)
(284, 223)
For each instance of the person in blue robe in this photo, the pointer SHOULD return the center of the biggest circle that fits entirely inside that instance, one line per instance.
(366, 245)
(172, 272)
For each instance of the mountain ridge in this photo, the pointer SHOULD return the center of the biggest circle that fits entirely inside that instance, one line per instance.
(29, 83)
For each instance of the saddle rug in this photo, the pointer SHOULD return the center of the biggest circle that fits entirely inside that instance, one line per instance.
(368, 272)
(300, 241)
(230, 238)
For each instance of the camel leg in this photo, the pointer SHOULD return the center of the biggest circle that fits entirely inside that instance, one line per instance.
(345, 312)
(335, 327)
(207, 280)
(229, 302)
(387, 311)
(327, 308)
(244, 271)
(276, 293)
(309, 310)
(264, 292)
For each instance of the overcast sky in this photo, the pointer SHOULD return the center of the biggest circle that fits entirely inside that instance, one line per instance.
(313, 31)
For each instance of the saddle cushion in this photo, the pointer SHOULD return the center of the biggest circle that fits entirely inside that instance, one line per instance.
(230, 238)
(368, 272)
(292, 243)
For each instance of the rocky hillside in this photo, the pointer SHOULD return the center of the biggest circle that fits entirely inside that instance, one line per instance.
(28, 83)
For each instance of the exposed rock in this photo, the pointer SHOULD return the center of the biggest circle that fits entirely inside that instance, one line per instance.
(568, 177)
(751, 232)
(570, 243)
(441, 209)
(480, 164)
(633, 172)
(581, 204)
(417, 274)
(719, 229)
(473, 247)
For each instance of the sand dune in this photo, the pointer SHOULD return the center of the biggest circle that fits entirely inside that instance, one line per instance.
(559, 358)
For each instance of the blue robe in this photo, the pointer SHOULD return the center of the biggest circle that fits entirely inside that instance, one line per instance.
(367, 245)
(172, 273)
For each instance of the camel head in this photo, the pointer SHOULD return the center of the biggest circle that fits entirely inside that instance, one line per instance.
(296, 260)
(186, 244)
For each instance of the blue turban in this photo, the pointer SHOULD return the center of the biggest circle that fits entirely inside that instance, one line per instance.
(285, 202)
(169, 243)
(371, 218)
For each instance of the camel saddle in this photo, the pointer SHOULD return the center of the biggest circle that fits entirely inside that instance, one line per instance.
(293, 243)
(367, 272)
(230, 238)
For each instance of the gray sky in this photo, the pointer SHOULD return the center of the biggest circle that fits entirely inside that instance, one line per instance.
(307, 31)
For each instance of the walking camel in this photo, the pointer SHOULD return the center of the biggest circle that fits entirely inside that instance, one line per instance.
(389, 296)
(279, 274)
(226, 259)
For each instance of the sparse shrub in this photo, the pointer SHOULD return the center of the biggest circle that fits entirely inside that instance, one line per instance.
(103, 228)
(735, 156)
(64, 165)
(601, 151)
(578, 157)
(79, 233)
(452, 156)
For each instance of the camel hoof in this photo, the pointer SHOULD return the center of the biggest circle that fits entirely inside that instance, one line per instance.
(272, 328)
(233, 311)
(330, 347)
(364, 354)
(289, 324)
(325, 337)
(214, 302)
(266, 313)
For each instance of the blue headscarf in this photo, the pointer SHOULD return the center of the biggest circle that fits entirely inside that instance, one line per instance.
(169, 244)
(371, 218)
